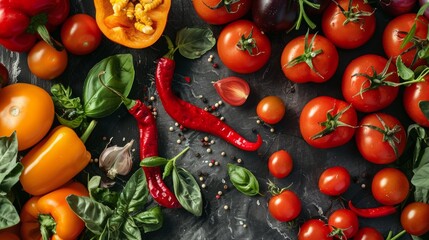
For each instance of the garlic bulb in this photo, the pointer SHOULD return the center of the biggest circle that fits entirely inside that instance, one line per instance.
(117, 160)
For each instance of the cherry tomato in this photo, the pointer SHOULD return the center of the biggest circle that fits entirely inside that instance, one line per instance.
(314, 229)
(395, 32)
(285, 206)
(368, 233)
(80, 34)
(280, 164)
(318, 50)
(381, 139)
(365, 83)
(345, 32)
(219, 12)
(334, 181)
(271, 109)
(345, 220)
(415, 218)
(4, 75)
(413, 95)
(28, 110)
(321, 132)
(390, 186)
(45, 62)
(242, 47)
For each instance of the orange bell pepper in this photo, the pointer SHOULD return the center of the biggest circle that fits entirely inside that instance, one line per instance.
(133, 25)
(52, 213)
(54, 161)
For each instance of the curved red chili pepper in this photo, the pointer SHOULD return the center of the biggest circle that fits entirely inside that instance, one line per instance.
(372, 212)
(149, 148)
(191, 116)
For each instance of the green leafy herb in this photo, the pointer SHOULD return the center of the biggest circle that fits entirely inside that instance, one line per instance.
(192, 43)
(150, 220)
(102, 195)
(154, 161)
(69, 110)
(243, 180)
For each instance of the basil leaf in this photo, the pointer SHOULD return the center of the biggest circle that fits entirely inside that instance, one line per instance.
(102, 195)
(243, 180)
(150, 220)
(10, 169)
(187, 191)
(403, 71)
(424, 106)
(69, 111)
(167, 169)
(118, 74)
(154, 161)
(93, 213)
(8, 214)
(194, 42)
(420, 178)
(11, 178)
(130, 230)
(135, 193)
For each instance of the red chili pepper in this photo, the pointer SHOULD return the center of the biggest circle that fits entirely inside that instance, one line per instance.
(23, 21)
(372, 212)
(191, 116)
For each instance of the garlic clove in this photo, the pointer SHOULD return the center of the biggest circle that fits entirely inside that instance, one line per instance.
(117, 160)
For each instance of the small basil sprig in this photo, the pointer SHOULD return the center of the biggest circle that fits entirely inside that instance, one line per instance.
(243, 180)
(127, 219)
(10, 170)
(186, 188)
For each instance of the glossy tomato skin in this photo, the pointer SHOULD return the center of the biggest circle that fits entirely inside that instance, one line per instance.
(314, 229)
(207, 10)
(352, 34)
(80, 34)
(392, 38)
(325, 63)
(370, 141)
(274, 15)
(368, 233)
(28, 110)
(360, 89)
(285, 206)
(4, 75)
(390, 186)
(46, 62)
(415, 218)
(271, 109)
(280, 164)
(413, 95)
(315, 112)
(236, 59)
(334, 181)
(346, 220)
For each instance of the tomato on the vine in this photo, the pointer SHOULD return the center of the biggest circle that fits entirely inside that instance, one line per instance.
(314, 229)
(285, 206)
(344, 222)
(413, 95)
(390, 186)
(309, 58)
(4, 75)
(415, 218)
(368, 233)
(271, 109)
(394, 34)
(381, 138)
(280, 164)
(347, 25)
(218, 12)
(80, 34)
(334, 181)
(46, 62)
(327, 122)
(368, 81)
(243, 47)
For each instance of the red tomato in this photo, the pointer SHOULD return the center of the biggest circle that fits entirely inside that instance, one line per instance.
(220, 12)
(390, 186)
(314, 229)
(271, 109)
(243, 47)
(317, 50)
(280, 164)
(365, 83)
(415, 218)
(285, 206)
(413, 95)
(368, 233)
(395, 32)
(381, 139)
(80, 34)
(46, 62)
(345, 32)
(4, 75)
(334, 181)
(345, 220)
(321, 132)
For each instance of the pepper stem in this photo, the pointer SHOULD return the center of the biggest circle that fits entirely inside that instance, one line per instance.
(38, 25)
(171, 48)
(129, 103)
(47, 225)
(88, 131)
